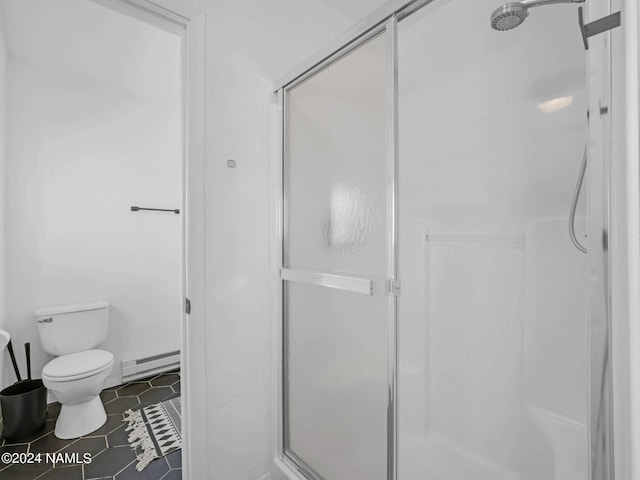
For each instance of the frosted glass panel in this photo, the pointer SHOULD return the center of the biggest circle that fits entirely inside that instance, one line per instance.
(337, 377)
(336, 165)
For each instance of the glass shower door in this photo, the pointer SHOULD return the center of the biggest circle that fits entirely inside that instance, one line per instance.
(335, 378)
(493, 323)
(451, 169)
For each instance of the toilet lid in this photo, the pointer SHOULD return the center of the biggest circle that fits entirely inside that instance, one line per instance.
(78, 364)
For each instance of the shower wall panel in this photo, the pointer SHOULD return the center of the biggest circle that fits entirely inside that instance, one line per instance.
(555, 351)
(487, 175)
(475, 346)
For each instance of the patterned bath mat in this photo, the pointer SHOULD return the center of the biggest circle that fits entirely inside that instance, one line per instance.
(155, 430)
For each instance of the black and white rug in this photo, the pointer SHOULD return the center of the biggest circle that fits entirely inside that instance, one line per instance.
(155, 430)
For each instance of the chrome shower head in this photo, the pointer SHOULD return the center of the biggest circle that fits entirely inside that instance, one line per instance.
(512, 14)
(509, 16)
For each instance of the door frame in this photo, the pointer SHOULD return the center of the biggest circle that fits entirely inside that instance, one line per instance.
(189, 24)
(624, 66)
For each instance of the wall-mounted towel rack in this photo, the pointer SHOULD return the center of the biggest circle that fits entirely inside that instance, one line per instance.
(174, 210)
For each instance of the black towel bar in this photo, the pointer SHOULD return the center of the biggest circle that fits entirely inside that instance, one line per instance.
(136, 209)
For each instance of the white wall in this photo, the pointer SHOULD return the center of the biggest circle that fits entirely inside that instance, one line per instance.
(3, 146)
(81, 151)
(355, 10)
(555, 346)
(249, 45)
(625, 264)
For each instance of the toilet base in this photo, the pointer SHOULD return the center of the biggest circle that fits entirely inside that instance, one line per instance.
(80, 419)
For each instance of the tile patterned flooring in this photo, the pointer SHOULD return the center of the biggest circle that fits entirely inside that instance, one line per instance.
(111, 456)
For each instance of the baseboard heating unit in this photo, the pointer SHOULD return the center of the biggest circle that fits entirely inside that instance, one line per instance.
(145, 367)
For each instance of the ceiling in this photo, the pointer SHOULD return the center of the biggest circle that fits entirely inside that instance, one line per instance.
(76, 37)
(81, 38)
(355, 9)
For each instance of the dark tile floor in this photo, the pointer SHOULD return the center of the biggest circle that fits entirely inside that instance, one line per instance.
(111, 456)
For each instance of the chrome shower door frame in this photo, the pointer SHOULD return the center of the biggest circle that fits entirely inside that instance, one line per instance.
(286, 459)
(383, 19)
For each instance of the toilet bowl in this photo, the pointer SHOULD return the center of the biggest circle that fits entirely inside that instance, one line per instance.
(78, 373)
(76, 381)
(568, 441)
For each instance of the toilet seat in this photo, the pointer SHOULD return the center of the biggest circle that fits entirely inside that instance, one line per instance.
(76, 366)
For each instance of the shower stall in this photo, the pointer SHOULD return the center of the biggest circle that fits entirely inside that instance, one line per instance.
(437, 318)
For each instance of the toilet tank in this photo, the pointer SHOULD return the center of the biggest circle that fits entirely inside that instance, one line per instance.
(74, 328)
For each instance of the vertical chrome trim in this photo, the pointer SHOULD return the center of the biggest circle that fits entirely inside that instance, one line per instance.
(392, 246)
(285, 179)
(285, 365)
(283, 284)
(601, 462)
(279, 262)
(626, 111)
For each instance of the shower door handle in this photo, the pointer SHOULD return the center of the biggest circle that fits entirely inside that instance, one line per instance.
(330, 280)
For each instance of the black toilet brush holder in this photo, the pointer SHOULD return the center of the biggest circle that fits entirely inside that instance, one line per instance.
(24, 409)
(24, 404)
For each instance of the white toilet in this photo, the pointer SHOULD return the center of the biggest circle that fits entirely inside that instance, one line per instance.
(77, 375)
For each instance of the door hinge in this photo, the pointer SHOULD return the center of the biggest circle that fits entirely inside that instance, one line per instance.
(187, 306)
(393, 287)
(603, 108)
